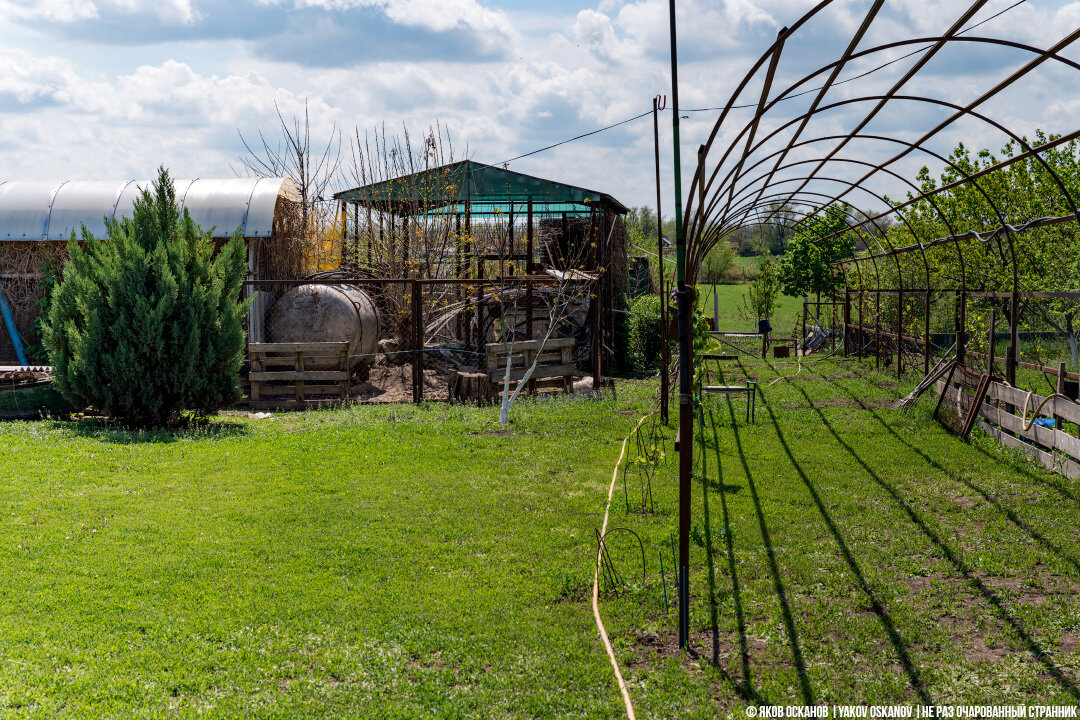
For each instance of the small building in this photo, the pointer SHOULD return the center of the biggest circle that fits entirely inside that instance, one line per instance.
(38, 218)
(468, 220)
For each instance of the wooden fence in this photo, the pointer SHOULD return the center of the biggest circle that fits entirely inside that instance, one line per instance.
(1051, 446)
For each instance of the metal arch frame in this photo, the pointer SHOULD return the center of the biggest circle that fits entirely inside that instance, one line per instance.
(903, 218)
(733, 192)
(800, 202)
(704, 242)
(1028, 152)
(944, 159)
(693, 219)
(1010, 80)
(1042, 55)
(927, 151)
(877, 272)
(787, 94)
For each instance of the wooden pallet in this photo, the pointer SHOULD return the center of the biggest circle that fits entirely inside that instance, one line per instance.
(555, 362)
(298, 375)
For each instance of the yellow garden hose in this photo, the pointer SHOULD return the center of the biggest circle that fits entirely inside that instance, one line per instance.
(596, 578)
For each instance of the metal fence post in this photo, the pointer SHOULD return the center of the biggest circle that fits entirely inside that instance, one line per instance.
(805, 310)
(961, 327)
(926, 334)
(418, 341)
(900, 330)
(847, 322)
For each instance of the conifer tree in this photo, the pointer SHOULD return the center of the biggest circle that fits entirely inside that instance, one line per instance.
(149, 323)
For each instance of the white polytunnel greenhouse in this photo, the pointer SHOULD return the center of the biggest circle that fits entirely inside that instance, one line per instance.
(38, 218)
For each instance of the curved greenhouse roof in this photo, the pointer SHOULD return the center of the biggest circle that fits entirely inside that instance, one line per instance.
(51, 211)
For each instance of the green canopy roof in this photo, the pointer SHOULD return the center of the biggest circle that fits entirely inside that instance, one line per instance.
(483, 190)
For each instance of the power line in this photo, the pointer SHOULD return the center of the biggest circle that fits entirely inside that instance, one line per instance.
(578, 137)
(743, 107)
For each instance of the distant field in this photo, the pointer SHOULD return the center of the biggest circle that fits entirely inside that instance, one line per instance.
(733, 315)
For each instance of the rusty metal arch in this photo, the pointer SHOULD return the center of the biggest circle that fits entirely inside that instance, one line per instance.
(933, 101)
(755, 181)
(1043, 54)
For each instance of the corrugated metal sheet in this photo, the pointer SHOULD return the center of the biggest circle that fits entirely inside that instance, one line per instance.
(51, 211)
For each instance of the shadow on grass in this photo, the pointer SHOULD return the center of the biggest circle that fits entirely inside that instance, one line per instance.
(1005, 511)
(1021, 465)
(745, 688)
(774, 569)
(860, 579)
(32, 403)
(100, 429)
(988, 594)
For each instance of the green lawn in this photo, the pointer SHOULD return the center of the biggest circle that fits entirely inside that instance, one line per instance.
(419, 562)
(390, 561)
(847, 552)
(733, 315)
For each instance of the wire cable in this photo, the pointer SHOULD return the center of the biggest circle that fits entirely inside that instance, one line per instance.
(577, 137)
(751, 105)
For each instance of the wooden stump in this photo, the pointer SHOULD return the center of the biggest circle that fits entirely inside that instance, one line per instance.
(470, 387)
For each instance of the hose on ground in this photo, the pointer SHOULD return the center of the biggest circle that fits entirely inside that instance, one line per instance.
(596, 578)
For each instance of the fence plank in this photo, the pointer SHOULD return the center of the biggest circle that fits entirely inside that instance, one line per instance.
(541, 372)
(1065, 409)
(1059, 464)
(1048, 438)
(523, 345)
(330, 349)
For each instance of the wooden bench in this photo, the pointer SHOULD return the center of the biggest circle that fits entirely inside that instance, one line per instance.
(751, 395)
(554, 363)
(296, 375)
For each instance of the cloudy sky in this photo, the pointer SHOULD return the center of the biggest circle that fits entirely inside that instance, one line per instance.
(96, 89)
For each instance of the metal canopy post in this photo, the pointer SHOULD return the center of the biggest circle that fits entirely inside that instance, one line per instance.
(686, 410)
(665, 355)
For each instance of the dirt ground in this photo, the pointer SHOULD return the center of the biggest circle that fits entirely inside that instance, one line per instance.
(389, 382)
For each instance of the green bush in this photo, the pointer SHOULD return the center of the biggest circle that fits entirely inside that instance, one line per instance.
(149, 323)
(763, 292)
(717, 265)
(645, 344)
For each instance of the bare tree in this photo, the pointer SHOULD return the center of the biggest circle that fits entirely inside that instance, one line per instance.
(567, 296)
(408, 226)
(313, 167)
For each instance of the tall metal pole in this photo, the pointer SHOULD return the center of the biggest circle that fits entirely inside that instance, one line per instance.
(665, 353)
(686, 410)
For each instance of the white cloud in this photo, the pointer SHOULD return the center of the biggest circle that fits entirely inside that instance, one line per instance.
(49, 10)
(180, 12)
(27, 78)
(436, 15)
(82, 117)
(594, 31)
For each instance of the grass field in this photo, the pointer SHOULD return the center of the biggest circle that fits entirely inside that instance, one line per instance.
(393, 562)
(734, 317)
(422, 562)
